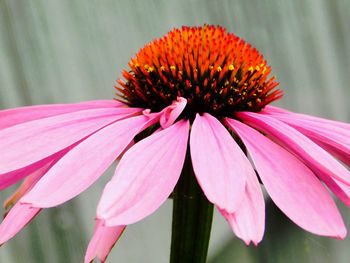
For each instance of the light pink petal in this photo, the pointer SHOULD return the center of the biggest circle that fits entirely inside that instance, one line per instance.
(131, 144)
(341, 190)
(16, 116)
(339, 152)
(172, 112)
(30, 142)
(102, 241)
(219, 164)
(316, 158)
(248, 222)
(291, 184)
(332, 138)
(169, 114)
(18, 217)
(8, 179)
(298, 116)
(268, 109)
(85, 163)
(27, 184)
(145, 176)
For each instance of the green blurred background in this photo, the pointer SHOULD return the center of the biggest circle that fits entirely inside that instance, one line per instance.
(58, 51)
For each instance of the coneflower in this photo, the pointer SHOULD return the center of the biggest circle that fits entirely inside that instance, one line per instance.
(191, 120)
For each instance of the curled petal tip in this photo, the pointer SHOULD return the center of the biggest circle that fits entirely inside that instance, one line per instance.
(172, 112)
(181, 100)
(146, 112)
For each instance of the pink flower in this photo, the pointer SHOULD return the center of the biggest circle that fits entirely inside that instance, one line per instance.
(198, 87)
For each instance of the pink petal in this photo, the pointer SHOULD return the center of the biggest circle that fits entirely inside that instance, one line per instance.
(339, 152)
(341, 190)
(321, 162)
(298, 116)
(169, 114)
(30, 142)
(18, 217)
(85, 163)
(292, 185)
(248, 222)
(16, 116)
(333, 138)
(275, 110)
(103, 241)
(131, 144)
(145, 176)
(10, 178)
(172, 112)
(27, 184)
(219, 164)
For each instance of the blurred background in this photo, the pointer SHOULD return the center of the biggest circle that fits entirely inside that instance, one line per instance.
(61, 51)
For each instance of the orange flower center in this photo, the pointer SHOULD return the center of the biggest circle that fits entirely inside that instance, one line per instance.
(216, 71)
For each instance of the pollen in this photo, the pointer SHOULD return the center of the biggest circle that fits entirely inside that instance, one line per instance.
(216, 71)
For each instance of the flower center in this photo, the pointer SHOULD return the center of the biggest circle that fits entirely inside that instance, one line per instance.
(216, 72)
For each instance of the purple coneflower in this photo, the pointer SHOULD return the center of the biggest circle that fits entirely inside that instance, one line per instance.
(198, 92)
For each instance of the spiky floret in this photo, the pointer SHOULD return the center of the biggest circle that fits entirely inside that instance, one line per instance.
(216, 71)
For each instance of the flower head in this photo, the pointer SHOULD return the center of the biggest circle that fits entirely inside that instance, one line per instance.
(215, 71)
(197, 87)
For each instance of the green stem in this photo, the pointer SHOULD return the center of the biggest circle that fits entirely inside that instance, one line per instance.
(192, 218)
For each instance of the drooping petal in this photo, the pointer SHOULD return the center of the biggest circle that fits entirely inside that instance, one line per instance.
(276, 111)
(131, 144)
(145, 176)
(219, 164)
(27, 184)
(332, 138)
(10, 178)
(102, 241)
(85, 163)
(24, 144)
(321, 162)
(37, 168)
(19, 115)
(17, 218)
(248, 222)
(291, 184)
(338, 151)
(341, 190)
